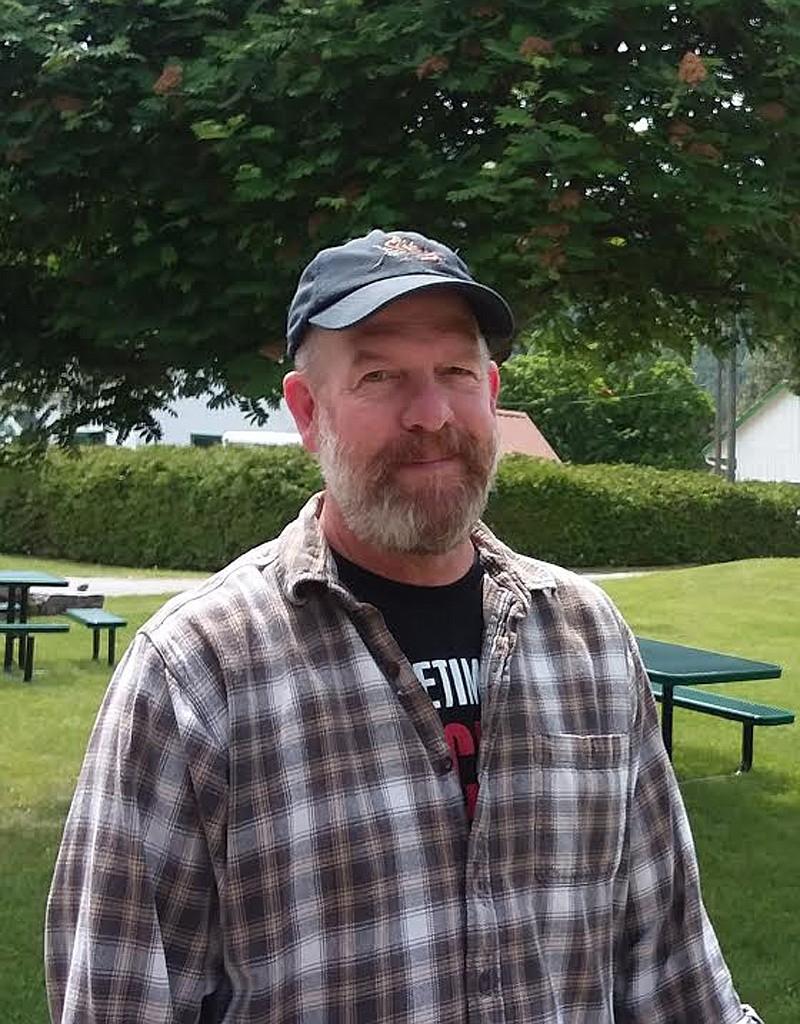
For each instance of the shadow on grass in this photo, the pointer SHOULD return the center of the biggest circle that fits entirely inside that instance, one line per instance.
(28, 845)
(747, 834)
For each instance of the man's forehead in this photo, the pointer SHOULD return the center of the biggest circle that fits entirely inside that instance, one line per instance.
(384, 334)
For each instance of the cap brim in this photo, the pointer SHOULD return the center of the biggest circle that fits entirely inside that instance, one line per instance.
(491, 310)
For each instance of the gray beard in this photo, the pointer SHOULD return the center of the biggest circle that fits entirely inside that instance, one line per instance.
(430, 519)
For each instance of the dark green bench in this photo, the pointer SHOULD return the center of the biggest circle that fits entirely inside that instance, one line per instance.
(734, 709)
(26, 632)
(98, 619)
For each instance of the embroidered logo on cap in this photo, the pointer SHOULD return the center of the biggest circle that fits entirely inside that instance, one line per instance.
(407, 249)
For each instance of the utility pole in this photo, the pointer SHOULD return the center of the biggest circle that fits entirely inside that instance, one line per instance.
(730, 464)
(718, 418)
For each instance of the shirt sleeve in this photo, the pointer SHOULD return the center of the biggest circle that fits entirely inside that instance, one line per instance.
(670, 968)
(132, 928)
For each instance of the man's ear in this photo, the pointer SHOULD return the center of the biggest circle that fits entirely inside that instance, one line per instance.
(494, 383)
(302, 406)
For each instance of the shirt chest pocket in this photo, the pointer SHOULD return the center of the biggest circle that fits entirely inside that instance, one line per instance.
(579, 801)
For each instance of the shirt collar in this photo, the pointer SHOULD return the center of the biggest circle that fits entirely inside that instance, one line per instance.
(305, 559)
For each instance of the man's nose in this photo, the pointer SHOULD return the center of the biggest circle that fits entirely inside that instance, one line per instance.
(427, 407)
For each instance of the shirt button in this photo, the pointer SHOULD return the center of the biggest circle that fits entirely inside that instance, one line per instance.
(485, 983)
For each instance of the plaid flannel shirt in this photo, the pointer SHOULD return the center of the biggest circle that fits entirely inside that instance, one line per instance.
(268, 827)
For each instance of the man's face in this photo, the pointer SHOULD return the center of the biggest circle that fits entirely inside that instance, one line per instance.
(405, 424)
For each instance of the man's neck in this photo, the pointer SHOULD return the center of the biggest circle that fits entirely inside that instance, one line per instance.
(421, 570)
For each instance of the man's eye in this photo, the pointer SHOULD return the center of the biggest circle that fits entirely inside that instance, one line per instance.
(375, 377)
(458, 371)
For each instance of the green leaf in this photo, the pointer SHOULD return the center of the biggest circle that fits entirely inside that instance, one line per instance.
(507, 117)
(209, 130)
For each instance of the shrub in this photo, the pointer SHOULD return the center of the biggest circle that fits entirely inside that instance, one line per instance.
(636, 515)
(182, 508)
(198, 508)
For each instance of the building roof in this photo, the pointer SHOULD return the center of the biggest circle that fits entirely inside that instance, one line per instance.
(777, 390)
(518, 433)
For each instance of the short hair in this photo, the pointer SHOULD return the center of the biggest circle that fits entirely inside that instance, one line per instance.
(307, 357)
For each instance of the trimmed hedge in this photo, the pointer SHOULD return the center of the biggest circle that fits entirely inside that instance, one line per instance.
(617, 515)
(198, 508)
(178, 508)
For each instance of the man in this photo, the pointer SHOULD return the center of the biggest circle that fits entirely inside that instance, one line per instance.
(383, 768)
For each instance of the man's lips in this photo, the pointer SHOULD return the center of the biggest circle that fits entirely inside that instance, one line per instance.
(425, 456)
(431, 462)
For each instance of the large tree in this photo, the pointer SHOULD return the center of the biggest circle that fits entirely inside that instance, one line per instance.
(647, 410)
(626, 169)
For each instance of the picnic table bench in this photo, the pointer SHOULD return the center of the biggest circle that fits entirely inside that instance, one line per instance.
(98, 619)
(734, 709)
(26, 633)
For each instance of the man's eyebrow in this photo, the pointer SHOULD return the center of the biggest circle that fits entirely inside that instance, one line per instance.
(367, 355)
(373, 330)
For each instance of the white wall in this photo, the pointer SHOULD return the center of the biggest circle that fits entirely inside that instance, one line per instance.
(768, 443)
(193, 416)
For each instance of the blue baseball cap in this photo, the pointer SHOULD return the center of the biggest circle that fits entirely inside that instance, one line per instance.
(347, 283)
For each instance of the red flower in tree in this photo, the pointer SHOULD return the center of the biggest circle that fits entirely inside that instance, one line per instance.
(552, 259)
(535, 46)
(771, 111)
(551, 230)
(704, 149)
(169, 79)
(691, 69)
(679, 133)
(567, 199)
(432, 66)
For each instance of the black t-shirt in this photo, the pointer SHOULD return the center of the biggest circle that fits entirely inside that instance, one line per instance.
(440, 630)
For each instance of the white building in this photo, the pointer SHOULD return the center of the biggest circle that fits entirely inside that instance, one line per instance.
(768, 438)
(192, 421)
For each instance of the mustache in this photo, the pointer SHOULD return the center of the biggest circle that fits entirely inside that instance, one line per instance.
(446, 443)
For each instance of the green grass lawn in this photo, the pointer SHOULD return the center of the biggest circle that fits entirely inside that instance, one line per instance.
(747, 828)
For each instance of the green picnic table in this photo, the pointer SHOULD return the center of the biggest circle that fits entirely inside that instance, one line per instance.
(18, 583)
(671, 665)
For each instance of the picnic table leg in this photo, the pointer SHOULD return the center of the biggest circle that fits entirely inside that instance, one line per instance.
(8, 660)
(112, 634)
(666, 717)
(23, 617)
(26, 642)
(95, 644)
(747, 748)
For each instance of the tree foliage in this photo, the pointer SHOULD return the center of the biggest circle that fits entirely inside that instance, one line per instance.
(649, 411)
(764, 368)
(168, 166)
